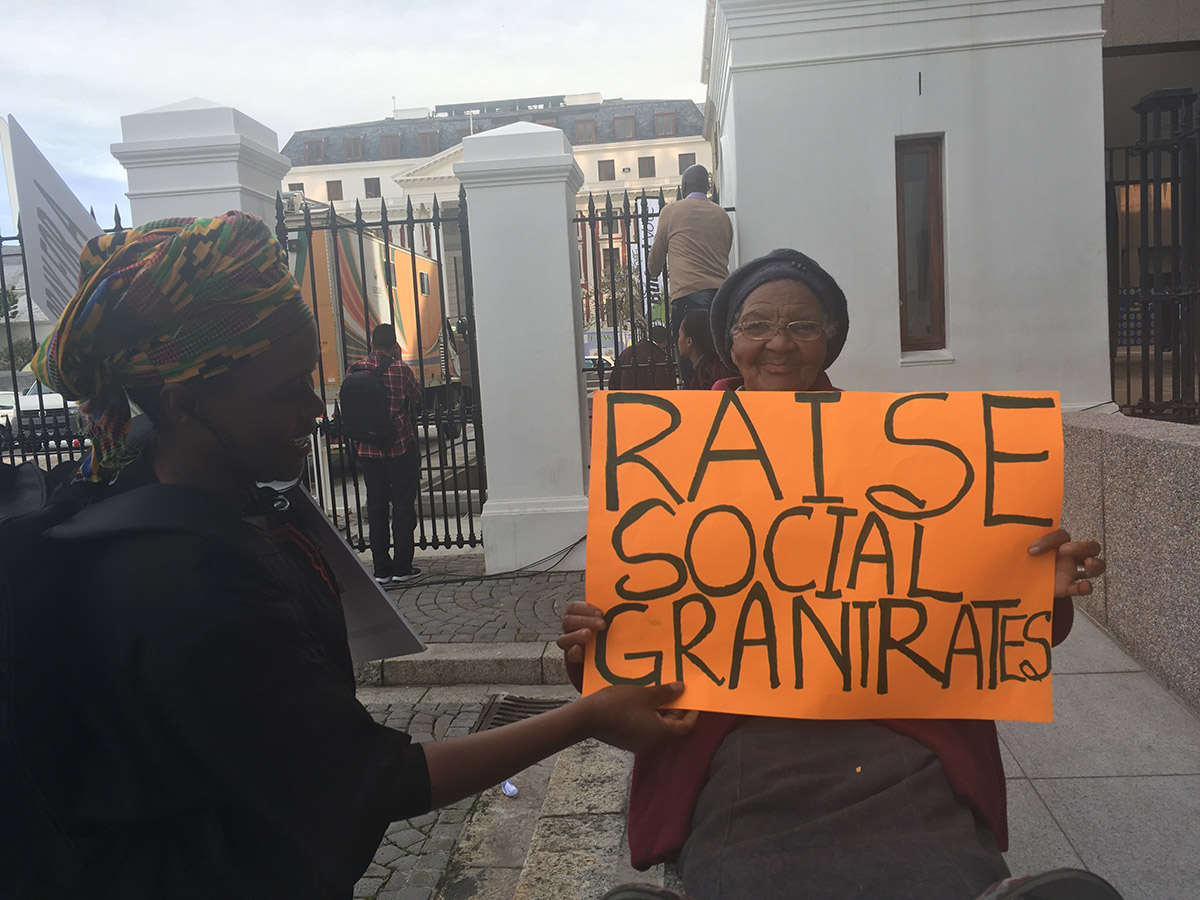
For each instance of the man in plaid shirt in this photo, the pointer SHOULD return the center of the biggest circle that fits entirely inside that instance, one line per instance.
(392, 473)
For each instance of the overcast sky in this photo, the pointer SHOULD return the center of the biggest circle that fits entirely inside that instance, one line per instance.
(69, 70)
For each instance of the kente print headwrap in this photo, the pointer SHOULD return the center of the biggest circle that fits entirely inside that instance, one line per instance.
(170, 301)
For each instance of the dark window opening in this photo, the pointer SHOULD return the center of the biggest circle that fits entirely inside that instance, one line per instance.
(352, 149)
(296, 186)
(428, 143)
(608, 170)
(645, 167)
(585, 131)
(921, 243)
(314, 152)
(623, 126)
(333, 190)
(686, 161)
(389, 146)
(371, 188)
(664, 124)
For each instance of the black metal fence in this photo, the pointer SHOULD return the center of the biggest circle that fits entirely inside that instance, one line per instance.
(621, 300)
(1153, 212)
(35, 423)
(412, 271)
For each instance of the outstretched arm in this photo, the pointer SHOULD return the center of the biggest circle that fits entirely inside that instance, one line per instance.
(625, 716)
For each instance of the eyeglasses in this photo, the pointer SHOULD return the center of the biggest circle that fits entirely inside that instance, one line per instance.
(764, 331)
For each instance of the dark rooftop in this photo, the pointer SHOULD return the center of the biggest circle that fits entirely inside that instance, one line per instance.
(450, 123)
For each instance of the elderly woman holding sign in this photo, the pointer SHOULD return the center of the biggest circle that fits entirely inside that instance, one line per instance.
(773, 808)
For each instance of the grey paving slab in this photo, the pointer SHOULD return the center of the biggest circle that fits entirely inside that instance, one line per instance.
(511, 662)
(454, 602)
(500, 827)
(1140, 833)
(1012, 768)
(1089, 649)
(478, 884)
(1035, 840)
(593, 778)
(1121, 723)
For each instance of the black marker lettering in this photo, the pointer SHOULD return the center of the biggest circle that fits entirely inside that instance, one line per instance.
(839, 653)
(683, 649)
(631, 516)
(815, 399)
(993, 457)
(613, 459)
(709, 455)
(654, 676)
(757, 597)
(889, 429)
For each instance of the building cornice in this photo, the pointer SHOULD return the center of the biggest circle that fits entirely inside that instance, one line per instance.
(232, 148)
(762, 35)
(530, 170)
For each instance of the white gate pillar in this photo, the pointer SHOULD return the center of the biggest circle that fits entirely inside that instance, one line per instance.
(521, 182)
(197, 158)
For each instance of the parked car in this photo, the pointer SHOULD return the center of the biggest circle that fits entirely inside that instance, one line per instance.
(8, 412)
(48, 411)
(592, 367)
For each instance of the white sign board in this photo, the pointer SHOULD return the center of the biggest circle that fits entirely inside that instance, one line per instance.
(54, 224)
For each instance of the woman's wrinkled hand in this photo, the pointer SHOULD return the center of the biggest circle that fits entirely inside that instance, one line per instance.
(1076, 562)
(628, 716)
(580, 625)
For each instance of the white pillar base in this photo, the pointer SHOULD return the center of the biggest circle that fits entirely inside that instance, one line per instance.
(518, 533)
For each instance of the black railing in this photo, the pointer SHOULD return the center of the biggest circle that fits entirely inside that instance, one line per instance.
(414, 272)
(35, 423)
(1153, 212)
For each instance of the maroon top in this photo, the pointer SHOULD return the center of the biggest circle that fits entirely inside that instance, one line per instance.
(667, 782)
(709, 370)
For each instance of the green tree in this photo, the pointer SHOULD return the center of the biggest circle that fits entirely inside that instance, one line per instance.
(614, 296)
(12, 302)
(23, 349)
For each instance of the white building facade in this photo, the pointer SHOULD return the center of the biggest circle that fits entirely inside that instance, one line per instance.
(944, 163)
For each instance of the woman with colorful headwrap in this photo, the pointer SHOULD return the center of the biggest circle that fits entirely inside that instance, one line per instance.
(223, 752)
(773, 809)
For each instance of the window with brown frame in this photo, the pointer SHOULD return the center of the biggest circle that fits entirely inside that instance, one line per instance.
(686, 161)
(333, 190)
(607, 169)
(371, 188)
(623, 126)
(645, 167)
(585, 131)
(352, 149)
(314, 152)
(549, 123)
(389, 146)
(428, 143)
(664, 124)
(921, 243)
(296, 186)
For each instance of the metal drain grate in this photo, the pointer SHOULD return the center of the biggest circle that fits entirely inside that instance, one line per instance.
(504, 709)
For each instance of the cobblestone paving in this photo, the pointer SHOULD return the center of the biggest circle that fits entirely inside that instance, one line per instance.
(451, 603)
(413, 855)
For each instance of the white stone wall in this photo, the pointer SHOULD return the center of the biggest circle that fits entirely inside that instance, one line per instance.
(809, 98)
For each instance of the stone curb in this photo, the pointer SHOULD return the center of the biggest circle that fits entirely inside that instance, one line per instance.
(518, 662)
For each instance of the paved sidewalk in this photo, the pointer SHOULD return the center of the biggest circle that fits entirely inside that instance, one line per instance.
(1113, 785)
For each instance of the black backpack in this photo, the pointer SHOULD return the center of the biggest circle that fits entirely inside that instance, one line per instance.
(39, 732)
(365, 403)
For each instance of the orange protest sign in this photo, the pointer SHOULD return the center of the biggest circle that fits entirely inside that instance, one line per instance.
(825, 555)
